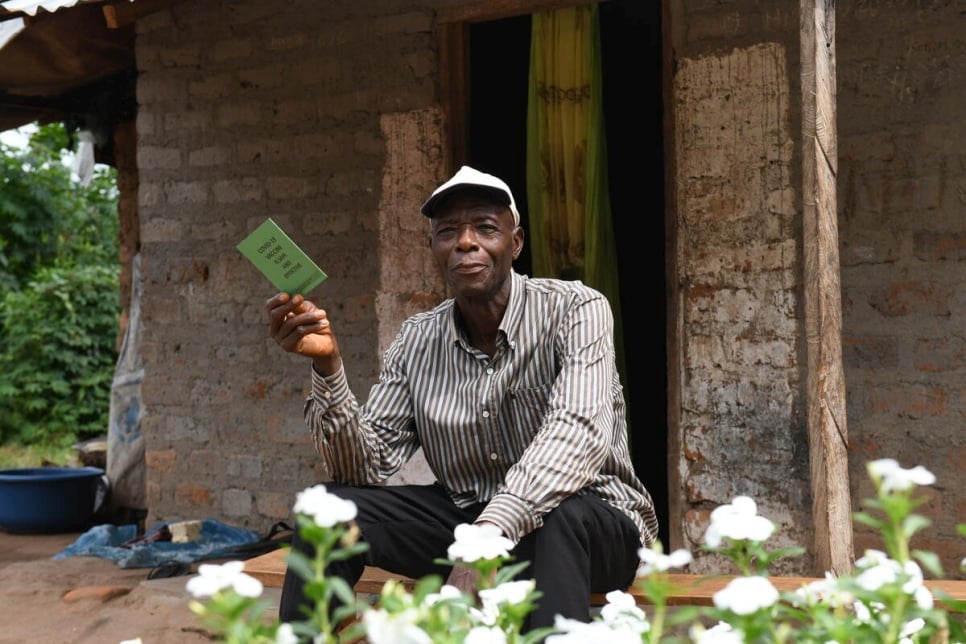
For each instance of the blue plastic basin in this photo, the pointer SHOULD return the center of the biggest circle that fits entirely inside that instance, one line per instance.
(37, 500)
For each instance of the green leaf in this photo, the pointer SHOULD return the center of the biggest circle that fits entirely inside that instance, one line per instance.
(930, 561)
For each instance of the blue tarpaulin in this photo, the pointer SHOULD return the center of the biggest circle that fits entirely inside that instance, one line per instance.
(217, 541)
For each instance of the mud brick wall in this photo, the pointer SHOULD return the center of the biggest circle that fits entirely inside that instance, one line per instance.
(253, 109)
(902, 221)
(901, 186)
(326, 117)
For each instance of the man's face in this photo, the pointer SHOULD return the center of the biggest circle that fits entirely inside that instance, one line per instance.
(475, 242)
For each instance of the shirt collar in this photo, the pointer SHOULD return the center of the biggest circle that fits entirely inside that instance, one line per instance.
(510, 323)
(511, 317)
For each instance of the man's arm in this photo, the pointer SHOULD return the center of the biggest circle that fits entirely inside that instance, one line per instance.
(299, 326)
(355, 449)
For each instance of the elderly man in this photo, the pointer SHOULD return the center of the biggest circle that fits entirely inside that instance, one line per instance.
(511, 389)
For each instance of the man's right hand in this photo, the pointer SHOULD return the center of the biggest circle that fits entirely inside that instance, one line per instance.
(299, 326)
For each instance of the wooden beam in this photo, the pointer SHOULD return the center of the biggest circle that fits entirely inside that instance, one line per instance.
(120, 14)
(454, 92)
(827, 428)
(495, 9)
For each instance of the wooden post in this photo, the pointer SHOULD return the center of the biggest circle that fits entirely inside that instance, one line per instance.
(827, 427)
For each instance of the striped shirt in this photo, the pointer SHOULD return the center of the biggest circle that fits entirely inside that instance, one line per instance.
(540, 420)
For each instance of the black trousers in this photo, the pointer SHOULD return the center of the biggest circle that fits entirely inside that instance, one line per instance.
(585, 545)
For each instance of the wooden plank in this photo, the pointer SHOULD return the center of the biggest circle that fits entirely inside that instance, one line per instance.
(825, 381)
(690, 590)
(481, 10)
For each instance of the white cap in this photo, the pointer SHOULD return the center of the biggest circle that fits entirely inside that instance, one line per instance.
(468, 177)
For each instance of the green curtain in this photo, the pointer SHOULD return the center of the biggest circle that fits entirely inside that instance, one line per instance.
(571, 231)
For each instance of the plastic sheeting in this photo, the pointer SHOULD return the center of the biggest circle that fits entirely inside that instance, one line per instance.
(126, 469)
(218, 540)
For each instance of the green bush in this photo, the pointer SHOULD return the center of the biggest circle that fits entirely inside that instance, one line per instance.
(58, 360)
(59, 268)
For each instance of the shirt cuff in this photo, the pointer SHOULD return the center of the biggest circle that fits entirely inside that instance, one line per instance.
(328, 391)
(513, 515)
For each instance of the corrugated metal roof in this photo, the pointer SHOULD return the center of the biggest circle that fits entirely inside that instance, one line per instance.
(31, 7)
(12, 13)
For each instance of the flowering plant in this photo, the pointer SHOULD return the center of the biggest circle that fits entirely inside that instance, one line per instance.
(884, 599)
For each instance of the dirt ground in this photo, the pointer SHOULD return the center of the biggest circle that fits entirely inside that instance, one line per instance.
(89, 600)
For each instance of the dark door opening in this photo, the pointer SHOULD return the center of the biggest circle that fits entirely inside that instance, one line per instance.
(499, 54)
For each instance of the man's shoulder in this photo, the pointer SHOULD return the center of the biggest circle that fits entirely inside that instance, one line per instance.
(551, 286)
(432, 318)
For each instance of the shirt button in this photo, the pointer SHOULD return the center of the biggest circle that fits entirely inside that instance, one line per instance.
(486, 414)
(489, 371)
(493, 456)
(327, 395)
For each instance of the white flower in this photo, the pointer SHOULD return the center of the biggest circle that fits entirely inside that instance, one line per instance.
(896, 479)
(923, 597)
(509, 592)
(485, 635)
(862, 612)
(745, 595)
(492, 600)
(652, 560)
(285, 634)
(738, 521)
(577, 632)
(910, 628)
(213, 578)
(622, 610)
(876, 569)
(825, 591)
(396, 628)
(448, 591)
(325, 508)
(483, 541)
(720, 633)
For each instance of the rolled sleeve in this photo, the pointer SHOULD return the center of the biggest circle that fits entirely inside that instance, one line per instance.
(514, 516)
(328, 391)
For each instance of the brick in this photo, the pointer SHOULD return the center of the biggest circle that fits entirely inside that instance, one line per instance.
(244, 466)
(263, 77)
(192, 496)
(276, 505)
(176, 121)
(161, 461)
(183, 56)
(934, 247)
(230, 114)
(871, 352)
(922, 297)
(906, 401)
(236, 503)
(186, 192)
(231, 49)
(940, 354)
(151, 157)
(248, 189)
(286, 42)
(158, 229)
(204, 461)
(209, 156)
(97, 593)
(291, 187)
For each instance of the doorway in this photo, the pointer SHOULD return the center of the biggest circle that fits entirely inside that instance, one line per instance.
(496, 114)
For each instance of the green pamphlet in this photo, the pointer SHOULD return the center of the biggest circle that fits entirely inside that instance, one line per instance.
(280, 259)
